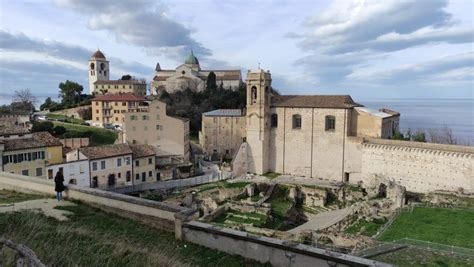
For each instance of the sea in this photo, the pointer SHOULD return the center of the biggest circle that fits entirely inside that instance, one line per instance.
(416, 114)
(425, 114)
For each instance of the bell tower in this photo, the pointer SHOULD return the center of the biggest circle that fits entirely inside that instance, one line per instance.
(98, 70)
(258, 114)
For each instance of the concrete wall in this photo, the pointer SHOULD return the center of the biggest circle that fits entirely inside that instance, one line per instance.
(420, 167)
(263, 249)
(69, 112)
(75, 142)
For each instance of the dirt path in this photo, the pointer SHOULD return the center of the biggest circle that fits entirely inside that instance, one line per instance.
(45, 206)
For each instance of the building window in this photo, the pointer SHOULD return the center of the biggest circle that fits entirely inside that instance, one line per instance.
(159, 127)
(102, 164)
(24, 172)
(119, 162)
(39, 172)
(127, 160)
(96, 111)
(128, 176)
(150, 161)
(274, 120)
(330, 123)
(133, 117)
(137, 176)
(143, 176)
(150, 174)
(296, 121)
(119, 175)
(145, 117)
(94, 166)
(124, 104)
(254, 94)
(137, 163)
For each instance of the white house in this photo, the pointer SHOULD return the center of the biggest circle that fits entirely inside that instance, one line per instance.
(74, 172)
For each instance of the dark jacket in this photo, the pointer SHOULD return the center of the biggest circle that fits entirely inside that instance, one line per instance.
(58, 180)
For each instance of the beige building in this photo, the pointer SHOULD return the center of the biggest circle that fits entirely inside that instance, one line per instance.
(100, 83)
(143, 164)
(189, 75)
(222, 132)
(366, 122)
(132, 86)
(151, 125)
(30, 154)
(110, 108)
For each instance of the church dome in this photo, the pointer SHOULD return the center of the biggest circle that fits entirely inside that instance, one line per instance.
(192, 59)
(98, 55)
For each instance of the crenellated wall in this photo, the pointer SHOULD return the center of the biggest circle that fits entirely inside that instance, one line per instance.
(420, 167)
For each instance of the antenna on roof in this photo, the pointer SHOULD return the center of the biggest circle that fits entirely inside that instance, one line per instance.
(258, 65)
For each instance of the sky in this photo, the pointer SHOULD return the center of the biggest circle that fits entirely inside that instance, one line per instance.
(369, 49)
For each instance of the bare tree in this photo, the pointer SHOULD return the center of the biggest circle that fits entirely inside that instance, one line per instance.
(25, 96)
(443, 136)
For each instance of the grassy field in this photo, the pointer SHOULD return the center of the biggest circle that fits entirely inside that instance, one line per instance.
(98, 136)
(420, 257)
(445, 226)
(8, 197)
(67, 119)
(222, 184)
(93, 237)
(237, 217)
(369, 228)
(271, 175)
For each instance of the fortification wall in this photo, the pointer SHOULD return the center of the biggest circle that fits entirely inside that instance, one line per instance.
(420, 167)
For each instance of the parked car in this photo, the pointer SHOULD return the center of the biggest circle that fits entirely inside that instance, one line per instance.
(85, 123)
(109, 126)
(61, 119)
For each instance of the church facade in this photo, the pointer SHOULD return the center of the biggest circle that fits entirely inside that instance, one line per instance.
(190, 75)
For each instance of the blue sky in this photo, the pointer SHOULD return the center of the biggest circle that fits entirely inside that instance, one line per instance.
(369, 49)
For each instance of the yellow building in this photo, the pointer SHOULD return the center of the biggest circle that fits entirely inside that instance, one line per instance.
(143, 164)
(132, 86)
(29, 154)
(110, 109)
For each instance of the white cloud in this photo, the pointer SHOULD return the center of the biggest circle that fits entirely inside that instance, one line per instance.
(141, 23)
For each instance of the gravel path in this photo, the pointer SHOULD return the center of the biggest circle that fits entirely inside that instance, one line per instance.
(45, 206)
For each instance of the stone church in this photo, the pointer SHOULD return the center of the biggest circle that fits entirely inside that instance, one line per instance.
(190, 75)
(305, 135)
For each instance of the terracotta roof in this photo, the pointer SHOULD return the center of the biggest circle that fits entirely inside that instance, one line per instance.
(139, 151)
(47, 139)
(98, 55)
(99, 152)
(119, 82)
(10, 129)
(119, 97)
(314, 101)
(39, 139)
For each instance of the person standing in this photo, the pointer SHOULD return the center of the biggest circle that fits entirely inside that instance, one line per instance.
(59, 186)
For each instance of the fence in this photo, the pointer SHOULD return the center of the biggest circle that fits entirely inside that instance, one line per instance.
(177, 183)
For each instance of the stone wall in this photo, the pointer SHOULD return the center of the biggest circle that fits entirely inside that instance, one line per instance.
(420, 167)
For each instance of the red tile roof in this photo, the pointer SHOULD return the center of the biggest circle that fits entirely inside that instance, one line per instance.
(314, 101)
(119, 97)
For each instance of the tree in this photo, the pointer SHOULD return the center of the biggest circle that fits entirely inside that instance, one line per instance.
(46, 126)
(23, 100)
(211, 85)
(59, 130)
(70, 92)
(419, 136)
(48, 104)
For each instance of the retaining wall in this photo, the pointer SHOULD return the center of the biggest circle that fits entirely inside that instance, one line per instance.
(263, 249)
